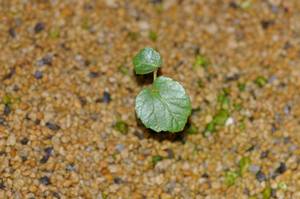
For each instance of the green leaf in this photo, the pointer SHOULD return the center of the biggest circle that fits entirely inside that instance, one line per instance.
(267, 192)
(261, 81)
(244, 164)
(121, 126)
(146, 61)
(153, 36)
(221, 117)
(192, 130)
(231, 177)
(163, 107)
(156, 159)
(201, 61)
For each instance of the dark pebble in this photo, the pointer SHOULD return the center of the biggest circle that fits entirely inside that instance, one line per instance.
(233, 5)
(260, 176)
(280, 170)
(70, 167)
(205, 175)
(2, 121)
(2, 185)
(37, 121)
(10, 74)
(170, 153)
(139, 135)
(44, 159)
(47, 60)
(82, 100)
(265, 24)
(45, 180)
(24, 141)
(39, 27)
(52, 126)
(264, 154)
(251, 148)
(56, 195)
(156, 1)
(93, 74)
(12, 32)
(7, 110)
(118, 180)
(23, 158)
(106, 97)
(234, 77)
(38, 74)
(48, 151)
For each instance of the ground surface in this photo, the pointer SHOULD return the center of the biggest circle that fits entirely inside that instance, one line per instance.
(68, 127)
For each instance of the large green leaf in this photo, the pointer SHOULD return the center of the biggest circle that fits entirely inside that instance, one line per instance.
(163, 107)
(146, 61)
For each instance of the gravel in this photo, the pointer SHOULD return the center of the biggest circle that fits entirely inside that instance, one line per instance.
(72, 131)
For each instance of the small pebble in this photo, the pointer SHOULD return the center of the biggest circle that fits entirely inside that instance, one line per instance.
(52, 126)
(45, 180)
(38, 75)
(39, 27)
(7, 110)
(11, 140)
(46, 60)
(12, 32)
(139, 135)
(287, 109)
(2, 185)
(156, 1)
(2, 121)
(70, 167)
(265, 24)
(170, 153)
(280, 170)
(254, 168)
(120, 147)
(264, 154)
(260, 176)
(93, 74)
(118, 180)
(24, 141)
(48, 153)
(106, 97)
(56, 195)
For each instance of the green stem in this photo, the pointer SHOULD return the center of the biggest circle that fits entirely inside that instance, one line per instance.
(154, 75)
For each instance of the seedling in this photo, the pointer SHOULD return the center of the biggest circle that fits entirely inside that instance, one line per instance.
(164, 106)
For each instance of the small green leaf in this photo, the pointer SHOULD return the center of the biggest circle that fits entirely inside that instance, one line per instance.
(121, 126)
(261, 81)
(163, 107)
(201, 61)
(146, 61)
(7, 100)
(210, 128)
(267, 192)
(192, 130)
(156, 159)
(54, 33)
(242, 87)
(153, 36)
(282, 185)
(231, 177)
(244, 163)
(221, 117)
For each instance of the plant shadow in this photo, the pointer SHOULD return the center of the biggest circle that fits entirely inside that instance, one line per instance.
(145, 133)
(146, 79)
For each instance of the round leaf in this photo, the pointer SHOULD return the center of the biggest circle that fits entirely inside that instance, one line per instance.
(146, 61)
(163, 107)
